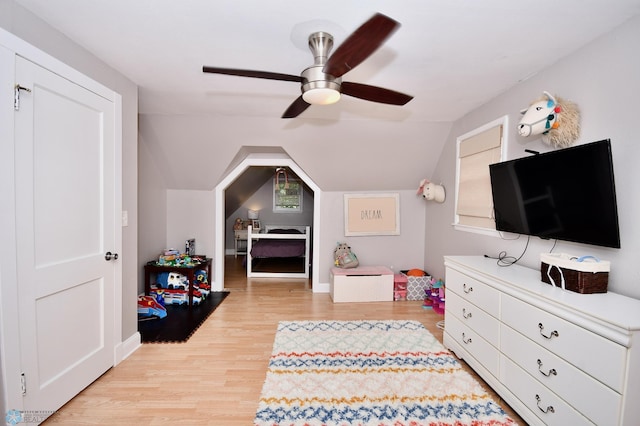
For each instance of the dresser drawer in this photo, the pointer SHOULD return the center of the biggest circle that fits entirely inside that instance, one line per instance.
(548, 406)
(593, 354)
(474, 317)
(576, 387)
(472, 342)
(474, 291)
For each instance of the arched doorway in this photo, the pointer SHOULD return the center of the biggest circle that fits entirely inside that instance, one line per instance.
(260, 159)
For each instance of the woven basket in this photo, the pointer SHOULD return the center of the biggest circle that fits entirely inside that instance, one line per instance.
(564, 271)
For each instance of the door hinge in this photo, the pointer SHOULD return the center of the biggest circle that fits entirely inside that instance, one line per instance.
(23, 383)
(16, 96)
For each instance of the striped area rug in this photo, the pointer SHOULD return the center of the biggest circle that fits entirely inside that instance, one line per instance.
(369, 373)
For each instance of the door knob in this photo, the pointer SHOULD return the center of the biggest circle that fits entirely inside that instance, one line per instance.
(108, 256)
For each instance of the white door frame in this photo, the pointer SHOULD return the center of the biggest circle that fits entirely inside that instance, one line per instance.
(267, 160)
(10, 45)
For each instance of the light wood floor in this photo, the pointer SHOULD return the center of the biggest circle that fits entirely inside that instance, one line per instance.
(216, 377)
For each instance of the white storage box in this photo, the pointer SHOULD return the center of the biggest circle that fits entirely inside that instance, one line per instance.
(361, 284)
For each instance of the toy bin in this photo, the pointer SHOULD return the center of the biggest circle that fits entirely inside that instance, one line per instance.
(585, 274)
(417, 286)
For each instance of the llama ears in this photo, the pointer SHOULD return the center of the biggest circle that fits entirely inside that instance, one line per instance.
(552, 99)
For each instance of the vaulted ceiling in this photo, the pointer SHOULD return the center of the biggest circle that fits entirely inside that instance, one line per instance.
(452, 56)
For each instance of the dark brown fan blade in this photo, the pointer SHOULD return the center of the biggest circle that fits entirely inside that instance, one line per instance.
(374, 94)
(296, 108)
(360, 45)
(251, 73)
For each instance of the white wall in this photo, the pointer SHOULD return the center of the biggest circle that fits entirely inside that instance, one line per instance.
(404, 251)
(604, 80)
(152, 205)
(190, 214)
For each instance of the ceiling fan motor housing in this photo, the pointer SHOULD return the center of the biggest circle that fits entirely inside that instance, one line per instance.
(321, 83)
(318, 87)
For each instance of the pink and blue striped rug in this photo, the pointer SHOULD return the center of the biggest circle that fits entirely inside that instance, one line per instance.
(369, 373)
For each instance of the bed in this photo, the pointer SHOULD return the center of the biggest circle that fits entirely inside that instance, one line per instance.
(279, 242)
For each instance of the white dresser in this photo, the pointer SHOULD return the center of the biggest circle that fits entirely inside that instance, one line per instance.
(555, 356)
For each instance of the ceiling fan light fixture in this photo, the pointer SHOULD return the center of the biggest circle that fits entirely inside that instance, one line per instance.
(321, 96)
(319, 88)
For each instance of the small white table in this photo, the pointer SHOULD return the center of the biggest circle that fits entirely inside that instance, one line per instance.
(240, 236)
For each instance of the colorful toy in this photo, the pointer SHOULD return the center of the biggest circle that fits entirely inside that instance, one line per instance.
(148, 307)
(180, 297)
(557, 120)
(202, 283)
(173, 280)
(343, 256)
(434, 297)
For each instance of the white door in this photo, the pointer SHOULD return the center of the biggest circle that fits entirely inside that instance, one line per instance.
(65, 217)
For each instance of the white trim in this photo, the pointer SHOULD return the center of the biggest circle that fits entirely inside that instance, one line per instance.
(269, 160)
(502, 121)
(476, 230)
(126, 348)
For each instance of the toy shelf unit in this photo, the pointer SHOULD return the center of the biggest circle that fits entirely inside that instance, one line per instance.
(361, 284)
(153, 269)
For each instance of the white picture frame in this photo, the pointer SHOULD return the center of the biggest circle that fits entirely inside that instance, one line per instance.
(371, 214)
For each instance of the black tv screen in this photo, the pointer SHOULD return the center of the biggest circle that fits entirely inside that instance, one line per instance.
(568, 194)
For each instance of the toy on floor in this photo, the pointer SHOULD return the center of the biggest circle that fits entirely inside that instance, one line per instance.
(149, 307)
(434, 297)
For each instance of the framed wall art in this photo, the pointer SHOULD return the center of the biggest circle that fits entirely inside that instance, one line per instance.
(371, 214)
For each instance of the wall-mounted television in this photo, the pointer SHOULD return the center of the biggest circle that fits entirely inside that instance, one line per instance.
(568, 194)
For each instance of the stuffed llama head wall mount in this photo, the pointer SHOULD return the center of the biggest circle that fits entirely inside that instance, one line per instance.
(556, 119)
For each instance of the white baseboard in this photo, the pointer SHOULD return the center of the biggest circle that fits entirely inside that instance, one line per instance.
(321, 288)
(126, 348)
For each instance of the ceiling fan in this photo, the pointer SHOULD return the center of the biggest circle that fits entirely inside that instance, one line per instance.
(321, 83)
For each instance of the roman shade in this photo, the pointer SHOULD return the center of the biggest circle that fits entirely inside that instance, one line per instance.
(474, 203)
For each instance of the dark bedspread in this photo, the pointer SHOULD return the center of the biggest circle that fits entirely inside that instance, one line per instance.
(279, 248)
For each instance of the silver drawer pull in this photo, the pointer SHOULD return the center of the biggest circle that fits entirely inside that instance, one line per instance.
(549, 408)
(551, 372)
(465, 340)
(554, 333)
(467, 290)
(465, 314)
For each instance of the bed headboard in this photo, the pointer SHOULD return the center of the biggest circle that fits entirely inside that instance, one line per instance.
(301, 228)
